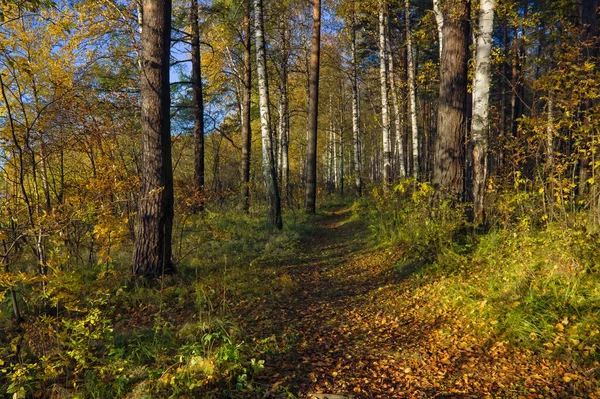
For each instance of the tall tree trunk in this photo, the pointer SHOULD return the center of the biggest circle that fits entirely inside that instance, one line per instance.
(341, 140)
(399, 159)
(268, 159)
(439, 20)
(515, 100)
(284, 121)
(153, 239)
(330, 152)
(197, 107)
(334, 155)
(356, 113)
(550, 153)
(313, 110)
(448, 172)
(412, 97)
(246, 109)
(385, 108)
(481, 94)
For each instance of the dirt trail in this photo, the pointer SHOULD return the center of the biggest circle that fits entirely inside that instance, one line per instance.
(333, 330)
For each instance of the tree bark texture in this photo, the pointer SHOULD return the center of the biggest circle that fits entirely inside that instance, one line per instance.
(481, 95)
(246, 109)
(385, 107)
(448, 173)
(152, 255)
(313, 110)
(268, 158)
(412, 97)
(197, 106)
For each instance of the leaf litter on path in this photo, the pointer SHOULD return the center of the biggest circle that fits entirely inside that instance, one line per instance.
(351, 327)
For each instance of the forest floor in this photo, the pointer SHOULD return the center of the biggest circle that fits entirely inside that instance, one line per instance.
(345, 322)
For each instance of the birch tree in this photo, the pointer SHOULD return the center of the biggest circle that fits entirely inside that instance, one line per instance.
(412, 97)
(385, 108)
(399, 158)
(355, 110)
(439, 20)
(268, 159)
(481, 94)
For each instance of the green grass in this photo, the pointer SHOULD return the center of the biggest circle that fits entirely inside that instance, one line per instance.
(536, 284)
(101, 336)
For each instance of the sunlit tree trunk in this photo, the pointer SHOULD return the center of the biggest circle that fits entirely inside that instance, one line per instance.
(329, 152)
(153, 239)
(385, 108)
(268, 159)
(246, 109)
(412, 97)
(356, 115)
(517, 86)
(550, 133)
(334, 155)
(313, 105)
(439, 20)
(481, 94)
(341, 141)
(399, 158)
(197, 107)
(448, 172)
(284, 121)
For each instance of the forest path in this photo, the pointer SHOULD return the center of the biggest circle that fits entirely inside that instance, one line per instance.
(326, 335)
(343, 320)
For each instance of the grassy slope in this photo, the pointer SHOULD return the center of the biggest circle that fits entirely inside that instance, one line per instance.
(389, 298)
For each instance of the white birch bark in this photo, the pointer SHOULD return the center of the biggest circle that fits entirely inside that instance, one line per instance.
(385, 108)
(268, 161)
(481, 91)
(356, 116)
(397, 115)
(412, 92)
(341, 142)
(334, 156)
(439, 19)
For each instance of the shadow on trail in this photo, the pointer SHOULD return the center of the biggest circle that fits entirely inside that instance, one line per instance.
(329, 337)
(338, 317)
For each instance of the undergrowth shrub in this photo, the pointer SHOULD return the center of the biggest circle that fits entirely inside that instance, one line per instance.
(411, 218)
(527, 280)
(90, 333)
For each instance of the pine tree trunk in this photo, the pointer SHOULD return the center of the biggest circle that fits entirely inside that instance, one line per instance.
(385, 108)
(448, 172)
(197, 107)
(412, 97)
(313, 105)
(246, 109)
(268, 159)
(153, 239)
(481, 94)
